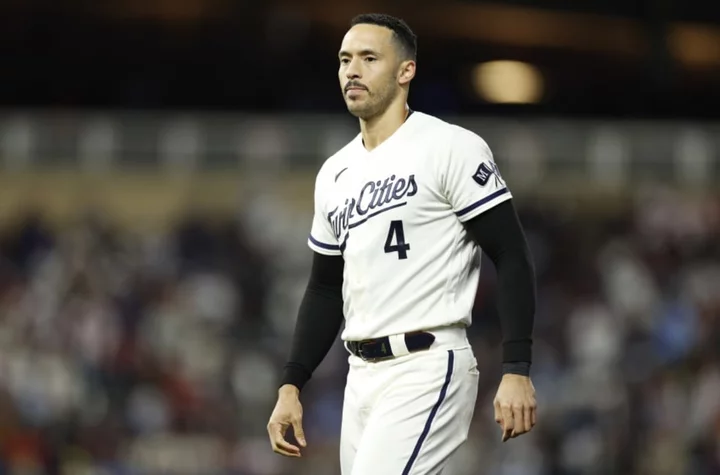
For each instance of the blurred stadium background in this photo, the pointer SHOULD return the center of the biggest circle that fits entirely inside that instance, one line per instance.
(157, 160)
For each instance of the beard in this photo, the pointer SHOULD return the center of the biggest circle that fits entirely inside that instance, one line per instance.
(374, 105)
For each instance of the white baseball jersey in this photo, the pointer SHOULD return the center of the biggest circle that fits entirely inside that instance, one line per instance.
(395, 215)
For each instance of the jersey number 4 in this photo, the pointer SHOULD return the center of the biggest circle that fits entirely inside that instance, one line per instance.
(397, 234)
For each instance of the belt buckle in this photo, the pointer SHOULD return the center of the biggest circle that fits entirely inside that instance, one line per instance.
(386, 354)
(360, 346)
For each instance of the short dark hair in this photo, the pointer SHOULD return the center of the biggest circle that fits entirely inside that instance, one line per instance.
(401, 31)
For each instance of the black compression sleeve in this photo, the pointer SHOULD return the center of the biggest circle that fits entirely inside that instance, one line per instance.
(499, 234)
(319, 320)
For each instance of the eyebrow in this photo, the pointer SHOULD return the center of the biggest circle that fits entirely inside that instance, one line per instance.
(365, 52)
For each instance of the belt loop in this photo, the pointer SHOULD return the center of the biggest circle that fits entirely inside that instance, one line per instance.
(398, 345)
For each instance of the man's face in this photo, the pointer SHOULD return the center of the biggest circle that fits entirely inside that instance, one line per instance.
(369, 69)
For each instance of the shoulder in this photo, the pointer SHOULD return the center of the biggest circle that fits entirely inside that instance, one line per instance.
(451, 137)
(432, 126)
(451, 145)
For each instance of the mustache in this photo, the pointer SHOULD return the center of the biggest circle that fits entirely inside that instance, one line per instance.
(353, 84)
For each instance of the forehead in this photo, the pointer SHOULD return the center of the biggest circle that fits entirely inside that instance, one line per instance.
(367, 37)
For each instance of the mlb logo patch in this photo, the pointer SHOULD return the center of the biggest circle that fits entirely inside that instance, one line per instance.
(483, 174)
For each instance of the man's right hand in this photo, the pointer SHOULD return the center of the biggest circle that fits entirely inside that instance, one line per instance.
(288, 412)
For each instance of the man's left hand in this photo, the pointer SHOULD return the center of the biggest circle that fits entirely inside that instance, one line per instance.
(515, 406)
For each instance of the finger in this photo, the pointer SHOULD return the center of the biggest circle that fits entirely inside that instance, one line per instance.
(299, 432)
(286, 453)
(283, 447)
(498, 413)
(508, 423)
(279, 444)
(518, 421)
(507, 434)
(528, 413)
(534, 414)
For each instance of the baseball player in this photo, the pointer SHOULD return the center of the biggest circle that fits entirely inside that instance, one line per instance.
(402, 214)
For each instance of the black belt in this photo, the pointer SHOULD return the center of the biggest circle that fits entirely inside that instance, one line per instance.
(379, 348)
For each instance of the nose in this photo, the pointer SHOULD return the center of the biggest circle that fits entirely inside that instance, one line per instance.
(352, 71)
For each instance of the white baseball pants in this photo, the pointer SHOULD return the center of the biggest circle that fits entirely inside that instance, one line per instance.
(408, 415)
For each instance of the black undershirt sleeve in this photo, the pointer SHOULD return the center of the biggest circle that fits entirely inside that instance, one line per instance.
(499, 234)
(319, 319)
(497, 231)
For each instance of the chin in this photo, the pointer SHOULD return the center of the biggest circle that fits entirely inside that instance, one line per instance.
(356, 111)
(359, 110)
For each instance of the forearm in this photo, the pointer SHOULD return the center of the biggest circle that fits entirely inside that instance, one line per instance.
(499, 233)
(319, 319)
(516, 308)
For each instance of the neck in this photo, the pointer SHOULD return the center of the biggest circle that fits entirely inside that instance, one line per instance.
(377, 129)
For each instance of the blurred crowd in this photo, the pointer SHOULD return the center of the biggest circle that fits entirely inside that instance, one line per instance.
(159, 353)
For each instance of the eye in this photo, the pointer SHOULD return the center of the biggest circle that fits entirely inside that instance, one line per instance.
(370, 59)
(344, 61)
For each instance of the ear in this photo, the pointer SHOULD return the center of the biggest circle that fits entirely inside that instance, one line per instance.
(406, 72)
